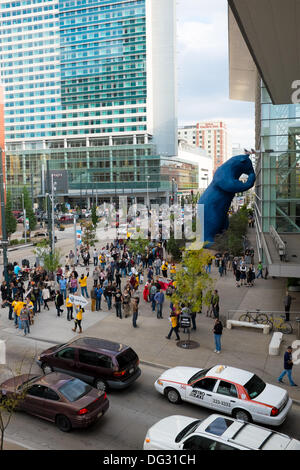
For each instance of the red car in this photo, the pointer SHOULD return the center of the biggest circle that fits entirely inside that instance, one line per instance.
(60, 398)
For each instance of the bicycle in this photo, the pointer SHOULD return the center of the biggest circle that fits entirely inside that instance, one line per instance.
(260, 318)
(280, 324)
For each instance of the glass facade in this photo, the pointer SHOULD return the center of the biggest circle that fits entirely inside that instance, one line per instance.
(278, 168)
(75, 80)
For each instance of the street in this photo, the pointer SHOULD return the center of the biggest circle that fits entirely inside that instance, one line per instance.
(123, 427)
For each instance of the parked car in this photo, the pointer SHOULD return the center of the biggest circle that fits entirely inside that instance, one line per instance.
(103, 363)
(214, 433)
(60, 398)
(226, 389)
(40, 236)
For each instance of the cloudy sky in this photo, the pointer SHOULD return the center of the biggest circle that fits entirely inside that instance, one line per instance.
(203, 76)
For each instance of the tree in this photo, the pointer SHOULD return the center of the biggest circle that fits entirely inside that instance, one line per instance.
(138, 245)
(94, 215)
(50, 261)
(231, 240)
(193, 285)
(175, 248)
(11, 222)
(10, 403)
(28, 205)
(88, 234)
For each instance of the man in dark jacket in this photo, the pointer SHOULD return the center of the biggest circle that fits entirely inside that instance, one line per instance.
(218, 328)
(287, 365)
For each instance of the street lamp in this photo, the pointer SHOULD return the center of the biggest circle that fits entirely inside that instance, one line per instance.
(24, 218)
(147, 181)
(4, 241)
(53, 188)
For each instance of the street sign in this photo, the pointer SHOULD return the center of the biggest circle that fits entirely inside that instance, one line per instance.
(78, 300)
(4, 242)
(185, 322)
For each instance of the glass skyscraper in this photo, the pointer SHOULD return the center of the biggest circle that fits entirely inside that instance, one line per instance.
(90, 86)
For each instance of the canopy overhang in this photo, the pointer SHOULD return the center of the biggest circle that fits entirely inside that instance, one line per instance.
(264, 34)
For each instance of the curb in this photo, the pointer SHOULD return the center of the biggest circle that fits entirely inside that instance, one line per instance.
(18, 444)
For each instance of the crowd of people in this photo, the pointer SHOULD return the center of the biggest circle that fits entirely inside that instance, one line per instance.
(242, 267)
(28, 291)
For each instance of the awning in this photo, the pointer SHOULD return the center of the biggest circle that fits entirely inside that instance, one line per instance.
(271, 32)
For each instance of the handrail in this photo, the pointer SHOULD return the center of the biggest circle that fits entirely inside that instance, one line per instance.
(280, 245)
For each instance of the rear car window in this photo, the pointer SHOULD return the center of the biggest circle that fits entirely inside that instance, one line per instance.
(126, 357)
(255, 386)
(74, 389)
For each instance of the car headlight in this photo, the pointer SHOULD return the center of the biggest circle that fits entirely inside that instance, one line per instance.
(159, 382)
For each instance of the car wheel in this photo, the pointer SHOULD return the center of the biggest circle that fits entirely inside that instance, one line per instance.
(101, 385)
(46, 368)
(243, 415)
(63, 423)
(173, 396)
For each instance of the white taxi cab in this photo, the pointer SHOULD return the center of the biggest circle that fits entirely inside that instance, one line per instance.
(214, 433)
(226, 389)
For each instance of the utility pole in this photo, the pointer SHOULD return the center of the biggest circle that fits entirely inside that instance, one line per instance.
(53, 188)
(49, 206)
(4, 240)
(24, 217)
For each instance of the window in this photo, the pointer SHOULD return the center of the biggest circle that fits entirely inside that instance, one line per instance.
(219, 426)
(206, 384)
(74, 389)
(36, 391)
(202, 443)
(127, 357)
(88, 357)
(254, 386)
(51, 395)
(68, 353)
(226, 388)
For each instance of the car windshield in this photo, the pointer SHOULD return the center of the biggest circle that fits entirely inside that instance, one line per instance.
(74, 389)
(188, 430)
(255, 386)
(199, 375)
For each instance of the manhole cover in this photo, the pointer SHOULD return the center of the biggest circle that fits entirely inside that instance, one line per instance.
(187, 344)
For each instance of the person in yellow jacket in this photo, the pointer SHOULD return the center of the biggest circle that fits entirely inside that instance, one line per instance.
(17, 305)
(78, 319)
(172, 271)
(164, 268)
(69, 306)
(83, 284)
(174, 322)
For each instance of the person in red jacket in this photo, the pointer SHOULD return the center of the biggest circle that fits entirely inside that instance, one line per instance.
(146, 293)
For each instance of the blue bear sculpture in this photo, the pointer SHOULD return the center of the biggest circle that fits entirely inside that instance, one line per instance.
(218, 196)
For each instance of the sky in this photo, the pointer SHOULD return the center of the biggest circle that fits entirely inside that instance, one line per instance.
(203, 70)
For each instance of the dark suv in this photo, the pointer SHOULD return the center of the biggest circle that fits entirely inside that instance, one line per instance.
(105, 364)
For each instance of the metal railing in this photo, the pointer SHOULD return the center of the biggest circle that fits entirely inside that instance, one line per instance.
(235, 314)
(278, 242)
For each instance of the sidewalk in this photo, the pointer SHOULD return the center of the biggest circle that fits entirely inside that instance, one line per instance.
(243, 348)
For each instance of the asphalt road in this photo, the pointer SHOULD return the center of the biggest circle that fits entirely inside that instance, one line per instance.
(126, 422)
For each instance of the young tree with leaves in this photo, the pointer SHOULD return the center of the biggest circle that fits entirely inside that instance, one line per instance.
(94, 215)
(137, 245)
(193, 285)
(28, 205)
(88, 234)
(11, 222)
